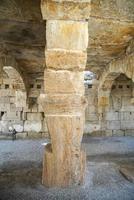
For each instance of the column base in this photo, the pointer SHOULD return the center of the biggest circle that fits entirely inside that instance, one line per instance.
(64, 172)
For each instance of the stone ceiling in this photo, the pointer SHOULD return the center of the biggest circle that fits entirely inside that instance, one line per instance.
(111, 30)
(22, 33)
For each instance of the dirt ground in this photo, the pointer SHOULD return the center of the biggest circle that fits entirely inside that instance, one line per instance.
(109, 174)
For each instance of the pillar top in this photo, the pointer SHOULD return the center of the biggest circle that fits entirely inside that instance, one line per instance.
(66, 9)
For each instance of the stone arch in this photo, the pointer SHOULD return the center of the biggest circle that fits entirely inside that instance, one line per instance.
(17, 80)
(9, 68)
(9, 61)
(115, 68)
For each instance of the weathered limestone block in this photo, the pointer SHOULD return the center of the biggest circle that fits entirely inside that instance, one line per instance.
(64, 104)
(20, 100)
(5, 107)
(63, 81)
(91, 109)
(4, 125)
(19, 127)
(103, 101)
(92, 117)
(5, 100)
(19, 109)
(114, 125)
(118, 133)
(112, 116)
(13, 109)
(34, 116)
(58, 174)
(35, 126)
(11, 116)
(65, 124)
(89, 128)
(129, 132)
(64, 163)
(67, 9)
(108, 133)
(126, 116)
(66, 60)
(62, 35)
(127, 124)
(7, 92)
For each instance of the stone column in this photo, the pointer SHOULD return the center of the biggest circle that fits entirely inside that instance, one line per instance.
(65, 56)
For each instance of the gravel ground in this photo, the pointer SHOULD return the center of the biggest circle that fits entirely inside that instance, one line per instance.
(108, 145)
(21, 164)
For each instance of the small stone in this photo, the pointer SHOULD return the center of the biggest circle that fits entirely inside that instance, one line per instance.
(128, 173)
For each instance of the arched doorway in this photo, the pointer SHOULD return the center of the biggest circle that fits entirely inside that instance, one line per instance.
(13, 99)
(119, 72)
(119, 115)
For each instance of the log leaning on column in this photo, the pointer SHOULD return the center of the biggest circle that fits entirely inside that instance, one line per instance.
(64, 104)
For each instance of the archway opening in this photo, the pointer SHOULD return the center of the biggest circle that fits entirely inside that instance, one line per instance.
(119, 114)
(12, 100)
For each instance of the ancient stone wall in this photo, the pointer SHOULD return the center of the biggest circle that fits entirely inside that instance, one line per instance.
(120, 115)
(110, 108)
(19, 109)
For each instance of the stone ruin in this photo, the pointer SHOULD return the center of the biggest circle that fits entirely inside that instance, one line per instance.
(40, 88)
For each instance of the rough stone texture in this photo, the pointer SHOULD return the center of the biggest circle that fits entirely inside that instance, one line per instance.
(59, 32)
(15, 107)
(114, 69)
(21, 98)
(23, 32)
(105, 45)
(64, 82)
(35, 126)
(64, 103)
(65, 151)
(116, 10)
(34, 116)
(65, 60)
(113, 112)
(72, 9)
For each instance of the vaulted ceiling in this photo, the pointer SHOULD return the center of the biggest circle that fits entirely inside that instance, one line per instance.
(22, 33)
